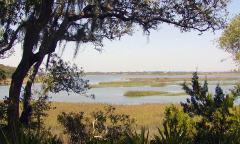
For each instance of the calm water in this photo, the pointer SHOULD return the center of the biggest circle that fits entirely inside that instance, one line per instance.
(113, 95)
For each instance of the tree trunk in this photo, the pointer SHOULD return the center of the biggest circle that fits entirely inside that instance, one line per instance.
(27, 109)
(33, 28)
(14, 94)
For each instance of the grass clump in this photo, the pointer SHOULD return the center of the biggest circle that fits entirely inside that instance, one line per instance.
(119, 84)
(151, 93)
(142, 93)
(130, 83)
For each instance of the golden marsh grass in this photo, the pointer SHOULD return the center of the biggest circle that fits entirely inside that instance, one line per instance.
(147, 115)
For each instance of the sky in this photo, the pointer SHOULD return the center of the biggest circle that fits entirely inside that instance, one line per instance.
(166, 49)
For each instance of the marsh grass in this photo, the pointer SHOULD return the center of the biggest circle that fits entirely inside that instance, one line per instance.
(146, 115)
(130, 83)
(151, 93)
(222, 78)
(143, 93)
(161, 82)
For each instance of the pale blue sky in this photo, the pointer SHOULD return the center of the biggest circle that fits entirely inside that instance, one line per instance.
(165, 50)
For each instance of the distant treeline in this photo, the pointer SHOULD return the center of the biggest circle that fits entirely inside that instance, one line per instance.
(161, 73)
(7, 69)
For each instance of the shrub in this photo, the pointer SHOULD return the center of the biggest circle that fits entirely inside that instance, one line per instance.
(215, 115)
(102, 127)
(138, 138)
(74, 126)
(40, 106)
(3, 112)
(177, 128)
(30, 137)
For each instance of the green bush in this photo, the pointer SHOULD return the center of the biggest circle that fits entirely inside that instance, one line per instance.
(3, 112)
(215, 116)
(102, 127)
(25, 136)
(138, 138)
(40, 106)
(177, 128)
(35, 132)
(74, 126)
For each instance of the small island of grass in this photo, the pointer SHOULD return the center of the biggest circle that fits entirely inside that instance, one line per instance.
(130, 83)
(151, 93)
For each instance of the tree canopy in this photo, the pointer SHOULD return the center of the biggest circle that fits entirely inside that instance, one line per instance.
(94, 20)
(230, 38)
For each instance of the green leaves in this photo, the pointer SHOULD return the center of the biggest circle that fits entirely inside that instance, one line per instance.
(177, 128)
(61, 76)
(230, 38)
(102, 127)
(138, 138)
(74, 126)
(216, 119)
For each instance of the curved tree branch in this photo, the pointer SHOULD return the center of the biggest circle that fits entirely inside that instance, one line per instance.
(6, 47)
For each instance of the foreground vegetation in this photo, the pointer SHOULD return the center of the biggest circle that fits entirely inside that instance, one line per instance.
(151, 93)
(146, 115)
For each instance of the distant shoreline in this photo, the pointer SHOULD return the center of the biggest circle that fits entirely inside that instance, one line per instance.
(203, 75)
(160, 73)
(10, 69)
